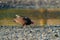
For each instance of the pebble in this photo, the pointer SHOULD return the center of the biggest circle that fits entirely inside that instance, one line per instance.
(56, 35)
(39, 33)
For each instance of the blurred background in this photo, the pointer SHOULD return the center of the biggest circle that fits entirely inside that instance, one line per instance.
(42, 12)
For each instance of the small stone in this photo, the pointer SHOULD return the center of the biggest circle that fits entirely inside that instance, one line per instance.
(30, 31)
(23, 39)
(45, 39)
(1, 26)
(56, 35)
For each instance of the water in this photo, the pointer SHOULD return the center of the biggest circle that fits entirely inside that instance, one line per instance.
(29, 33)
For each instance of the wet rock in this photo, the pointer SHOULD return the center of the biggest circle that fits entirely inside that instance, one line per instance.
(56, 35)
(30, 31)
(1, 26)
(45, 39)
(38, 33)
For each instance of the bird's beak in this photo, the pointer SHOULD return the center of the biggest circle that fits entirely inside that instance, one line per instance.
(17, 16)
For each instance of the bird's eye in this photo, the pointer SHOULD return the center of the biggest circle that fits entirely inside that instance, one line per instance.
(25, 17)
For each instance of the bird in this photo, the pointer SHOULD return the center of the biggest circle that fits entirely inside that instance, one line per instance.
(24, 20)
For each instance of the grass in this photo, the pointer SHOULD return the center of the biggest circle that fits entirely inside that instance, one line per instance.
(7, 15)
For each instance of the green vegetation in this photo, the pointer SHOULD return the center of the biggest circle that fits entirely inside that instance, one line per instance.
(7, 15)
(10, 13)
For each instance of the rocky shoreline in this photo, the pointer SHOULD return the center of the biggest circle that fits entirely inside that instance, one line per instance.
(29, 33)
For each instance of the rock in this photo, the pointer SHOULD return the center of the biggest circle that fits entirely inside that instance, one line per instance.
(56, 35)
(29, 33)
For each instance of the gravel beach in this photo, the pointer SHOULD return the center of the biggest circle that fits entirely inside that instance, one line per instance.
(30, 33)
